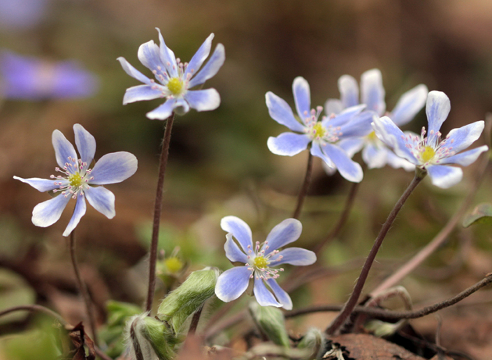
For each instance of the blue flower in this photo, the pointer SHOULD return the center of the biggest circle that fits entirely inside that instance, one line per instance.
(22, 14)
(35, 79)
(174, 78)
(432, 153)
(258, 260)
(374, 153)
(77, 180)
(323, 134)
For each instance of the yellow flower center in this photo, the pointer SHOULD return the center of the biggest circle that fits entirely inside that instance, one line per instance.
(175, 86)
(173, 264)
(260, 262)
(319, 130)
(428, 154)
(372, 136)
(75, 180)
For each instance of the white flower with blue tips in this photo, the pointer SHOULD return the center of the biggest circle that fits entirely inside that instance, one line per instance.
(77, 180)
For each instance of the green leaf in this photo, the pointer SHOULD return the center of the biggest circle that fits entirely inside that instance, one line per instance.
(482, 214)
(270, 321)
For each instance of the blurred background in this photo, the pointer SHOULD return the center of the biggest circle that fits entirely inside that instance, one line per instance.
(58, 67)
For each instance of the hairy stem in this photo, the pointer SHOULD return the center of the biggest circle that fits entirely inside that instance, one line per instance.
(157, 211)
(354, 297)
(194, 321)
(305, 187)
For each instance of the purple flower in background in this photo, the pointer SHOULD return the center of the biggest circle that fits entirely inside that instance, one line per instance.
(258, 260)
(323, 134)
(77, 180)
(174, 78)
(22, 14)
(35, 79)
(432, 153)
(374, 153)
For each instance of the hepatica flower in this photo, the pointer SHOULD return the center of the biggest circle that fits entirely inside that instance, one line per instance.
(174, 78)
(256, 261)
(432, 153)
(323, 134)
(374, 153)
(75, 180)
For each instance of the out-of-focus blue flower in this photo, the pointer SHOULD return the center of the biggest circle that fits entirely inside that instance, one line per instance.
(174, 78)
(77, 180)
(323, 134)
(432, 153)
(22, 14)
(258, 260)
(35, 79)
(374, 153)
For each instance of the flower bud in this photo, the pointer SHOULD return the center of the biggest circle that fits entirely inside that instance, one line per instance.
(314, 340)
(270, 321)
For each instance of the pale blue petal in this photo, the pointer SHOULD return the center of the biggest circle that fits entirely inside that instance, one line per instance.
(328, 169)
(360, 125)
(437, 110)
(372, 91)
(203, 100)
(148, 54)
(392, 136)
(200, 56)
(113, 168)
(163, 111)
(349, 91)
(333, 106)
(281, 112)
(351, 145)
(409, 105)
(80, 208)
(444, 176)
(316, 151)
(167, 57)
(348, 168)
(288, 144)
(263, 295)
(461, 138)
(294, 256)
(86, 144)
(374, 156)
(302, 97)
(233, 253)
(134, 73)
(397, 162)
(344, 117)
(465, 158)
(282, 234)
(48, 212)
(239, 229)
(142, 92)
(63, 149)
(281, 295)
(102, 200)
(181, 107)
(211, 67)
(40, 184)
(232, 283)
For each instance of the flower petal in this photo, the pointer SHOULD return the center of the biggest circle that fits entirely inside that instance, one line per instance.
(344, 117)
(437, 110)
(282, 234)
(397, 162)
(392, 136)
(359, 125)
(263, 295)
(163, 111)
(288, 144)
(349, 91)
(351, 145)
(80, 208)
(232, 283)
(203, 100)
(148, 54)
(375, 156)
(113, 168)
(211, 67)
(239, 229)
(167, 56)
(200, 56)
(102, 200)
(86, 144)
(63, 149)
(348, 168)
(465, 158)
(181, 107)
(459, 139)
(372, 91)
(409, 105)
(333, 106)
(294, 256)
(281, 112)
(233, 253)
(281, 295)
(444, 176)
(134, 73)
(316, 151)
(48, 212)
(40, 184)
(142, 92)
(302, 97)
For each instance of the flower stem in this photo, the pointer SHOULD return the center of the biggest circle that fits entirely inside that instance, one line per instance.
(304, 188)
(83, 289)
(354, 297)
(157, 211)
(194, 321)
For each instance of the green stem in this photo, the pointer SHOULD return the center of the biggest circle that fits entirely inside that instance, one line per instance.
(305, 187)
